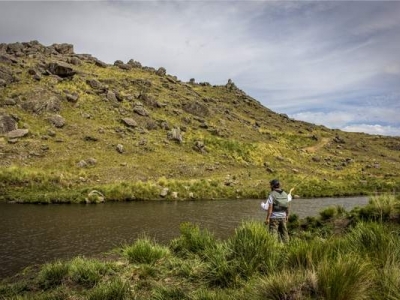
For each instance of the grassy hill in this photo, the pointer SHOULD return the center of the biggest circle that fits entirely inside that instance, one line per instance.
(71, 124)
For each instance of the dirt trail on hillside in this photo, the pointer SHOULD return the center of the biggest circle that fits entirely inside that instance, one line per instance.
(316, 147)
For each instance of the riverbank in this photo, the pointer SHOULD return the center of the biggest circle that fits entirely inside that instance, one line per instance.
(337, 255)
(20, 186)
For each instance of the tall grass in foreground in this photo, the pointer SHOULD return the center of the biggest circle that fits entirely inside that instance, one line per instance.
(192, 240)
(254, 249)
(361, 262)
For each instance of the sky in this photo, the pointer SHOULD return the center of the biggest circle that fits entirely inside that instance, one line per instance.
(331, 63)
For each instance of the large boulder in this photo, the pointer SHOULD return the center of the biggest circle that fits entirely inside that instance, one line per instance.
(37, 104)
(63, 48)
(7, 75)
(196, 108)
(61, 69)
(7, 124)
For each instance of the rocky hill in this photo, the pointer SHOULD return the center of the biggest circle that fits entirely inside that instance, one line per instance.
(71, 124)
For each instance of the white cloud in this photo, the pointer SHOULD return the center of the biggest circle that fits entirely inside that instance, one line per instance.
(294, 57)
(373, 129)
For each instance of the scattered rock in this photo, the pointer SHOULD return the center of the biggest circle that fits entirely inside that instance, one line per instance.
(199, 147)
(57, 121)
(17, 133)
(63, 48)
(95, 84)
(130, 122)
(120, 148)
(95, 197)
(196, 108)
(99, 63)
(161, 72)
(7, 124)
(164, 192)
(175, 135)
(60, 69)
(140, 110)
(73, 98)
(134, 64)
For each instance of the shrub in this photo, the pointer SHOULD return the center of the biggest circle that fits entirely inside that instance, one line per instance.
(145, 251)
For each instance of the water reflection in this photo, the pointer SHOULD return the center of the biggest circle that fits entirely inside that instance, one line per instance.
(34, 234)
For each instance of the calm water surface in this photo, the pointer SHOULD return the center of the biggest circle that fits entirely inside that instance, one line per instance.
(34, 234)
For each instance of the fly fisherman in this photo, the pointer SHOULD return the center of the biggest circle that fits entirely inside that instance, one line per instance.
(277, 207)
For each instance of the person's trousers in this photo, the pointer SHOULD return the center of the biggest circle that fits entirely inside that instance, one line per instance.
(278, 227)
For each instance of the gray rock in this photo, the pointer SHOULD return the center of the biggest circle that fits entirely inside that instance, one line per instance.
(95, 197)
(140, 110)
(61, 69)
(75, 61)
(95, 84)
(10, 101)
(7, 124)
(134, 64)
(164, 192)
(111, 96)
(17, 133)
(120, 148)
(161, 72)
(73, 98)
(57, 121)
(175, 135)
(99, 63)
(91, 161)
(6, 75)
(82, 164)
(129, 122)
(63, 48)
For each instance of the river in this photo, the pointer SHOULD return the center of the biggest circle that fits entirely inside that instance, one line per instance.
(35, 234)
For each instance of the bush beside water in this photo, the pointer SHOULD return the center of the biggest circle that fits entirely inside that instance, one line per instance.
(339, 255)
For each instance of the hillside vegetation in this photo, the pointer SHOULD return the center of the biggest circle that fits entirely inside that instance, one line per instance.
(75, 129)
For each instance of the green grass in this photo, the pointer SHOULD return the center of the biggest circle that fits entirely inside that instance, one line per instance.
(145, 251)
(360, 262)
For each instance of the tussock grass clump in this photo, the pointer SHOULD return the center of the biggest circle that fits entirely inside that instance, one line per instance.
(254, 249)
(349, 277)
(88, 272)
(378, 242)
(145, 251)
(193, 240)
(380, 208)
(52, 274)
(116, 289)
(285, 285)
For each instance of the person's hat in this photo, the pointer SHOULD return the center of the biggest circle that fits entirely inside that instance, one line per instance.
(274, 182)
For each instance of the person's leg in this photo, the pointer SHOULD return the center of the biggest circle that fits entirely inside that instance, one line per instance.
(283, 232)
(274, 227)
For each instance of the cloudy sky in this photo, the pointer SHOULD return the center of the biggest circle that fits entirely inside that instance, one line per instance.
(330, 63)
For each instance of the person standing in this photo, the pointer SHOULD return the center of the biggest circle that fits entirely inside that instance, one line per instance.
(277, 207)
